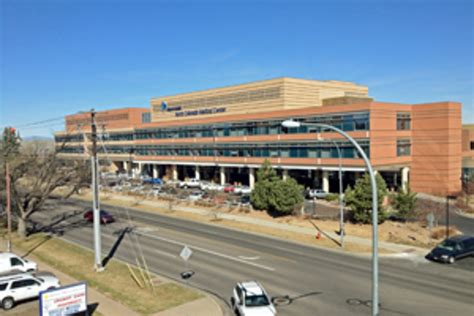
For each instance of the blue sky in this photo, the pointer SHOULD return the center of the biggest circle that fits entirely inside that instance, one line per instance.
(61, 57)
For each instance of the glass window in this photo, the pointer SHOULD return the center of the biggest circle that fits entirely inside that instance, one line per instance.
(293, 152)
(472, 145)
(16, 262)
(403, 121)
(19, 284)
(403, 147)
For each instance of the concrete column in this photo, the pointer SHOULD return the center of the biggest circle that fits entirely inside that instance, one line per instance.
(174, 172)
(222, 175)
(252, 178)
(325, 181)
(405, 173)
(155, 171)
(197, 175)
(285, 174)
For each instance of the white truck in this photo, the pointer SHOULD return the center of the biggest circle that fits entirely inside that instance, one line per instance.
(10, 261)
(190, 183)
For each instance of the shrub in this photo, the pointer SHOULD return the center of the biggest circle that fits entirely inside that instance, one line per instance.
(404, 202)
(331, 197)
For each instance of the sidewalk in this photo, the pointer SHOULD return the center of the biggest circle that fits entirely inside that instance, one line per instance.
(396, 248)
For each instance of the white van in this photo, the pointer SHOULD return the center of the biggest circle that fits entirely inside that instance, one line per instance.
(9, 261)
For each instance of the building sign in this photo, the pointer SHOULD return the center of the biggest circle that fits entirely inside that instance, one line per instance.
(200, 112)
(166, 108)
(65, 300)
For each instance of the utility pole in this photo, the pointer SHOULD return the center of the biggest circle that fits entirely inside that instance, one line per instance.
(95, 194)
(9, 211)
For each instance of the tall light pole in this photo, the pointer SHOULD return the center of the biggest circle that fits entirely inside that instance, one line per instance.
(95, 204)
(375, 262)
(341, 202)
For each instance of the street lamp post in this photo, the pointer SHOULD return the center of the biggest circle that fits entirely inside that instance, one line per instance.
(375, 263)
(341, 203)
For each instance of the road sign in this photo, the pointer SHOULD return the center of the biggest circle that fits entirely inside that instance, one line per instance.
(430, 218)
(186, 253)
(65, 300)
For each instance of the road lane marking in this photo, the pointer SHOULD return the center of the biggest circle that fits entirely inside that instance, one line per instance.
(217, 254)
(165, 253)
(249, 258)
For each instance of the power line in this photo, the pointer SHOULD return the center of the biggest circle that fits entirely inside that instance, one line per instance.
(41, 122)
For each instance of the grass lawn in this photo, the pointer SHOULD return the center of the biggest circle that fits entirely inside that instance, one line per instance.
(115, 282)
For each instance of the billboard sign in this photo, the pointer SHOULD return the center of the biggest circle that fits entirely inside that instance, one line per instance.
(65, 300)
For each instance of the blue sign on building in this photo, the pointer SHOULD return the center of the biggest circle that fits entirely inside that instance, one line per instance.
(164, 106)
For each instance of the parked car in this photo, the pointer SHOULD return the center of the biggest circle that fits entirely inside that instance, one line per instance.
(317, 193)
(16, 287)
(250, 298)
(10, 261)
(245, 200)
(195, 196)
(453, 249)
(190, 183)
(154, 181)
(245, 190)
(205, 185)
(229, 188)
(105, 217)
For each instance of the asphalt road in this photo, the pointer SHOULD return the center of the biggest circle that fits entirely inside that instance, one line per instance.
(308, 280)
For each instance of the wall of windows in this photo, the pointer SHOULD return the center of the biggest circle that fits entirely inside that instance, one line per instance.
(321, 149)
(116, 136)
(70, 150)
(347, 122)
(69, 138)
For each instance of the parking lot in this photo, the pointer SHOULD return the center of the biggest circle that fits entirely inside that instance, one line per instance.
(202, 193)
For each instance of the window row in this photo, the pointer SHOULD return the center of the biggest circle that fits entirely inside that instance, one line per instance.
(299, 150)
(346, 122)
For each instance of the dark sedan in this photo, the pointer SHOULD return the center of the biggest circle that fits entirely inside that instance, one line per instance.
(105, 217)
(453, 249)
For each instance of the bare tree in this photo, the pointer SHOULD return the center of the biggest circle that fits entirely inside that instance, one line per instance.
(37, 172)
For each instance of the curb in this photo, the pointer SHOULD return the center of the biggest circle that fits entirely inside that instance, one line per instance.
(464, 214)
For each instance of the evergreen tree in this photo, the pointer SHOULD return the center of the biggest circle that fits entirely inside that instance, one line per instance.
(274, 194)
(404, 202)
(287, 196)
(262, 193)
(359, 199)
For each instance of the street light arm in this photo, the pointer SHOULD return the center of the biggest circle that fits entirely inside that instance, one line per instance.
(375, 266)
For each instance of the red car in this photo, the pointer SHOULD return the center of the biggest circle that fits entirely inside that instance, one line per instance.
(105, 217)
(229, 188)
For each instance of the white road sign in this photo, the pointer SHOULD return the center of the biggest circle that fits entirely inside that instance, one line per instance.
(186, 253)
(65, 300)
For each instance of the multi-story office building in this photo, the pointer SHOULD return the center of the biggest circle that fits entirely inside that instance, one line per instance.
(225, 134)
(468, 150)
